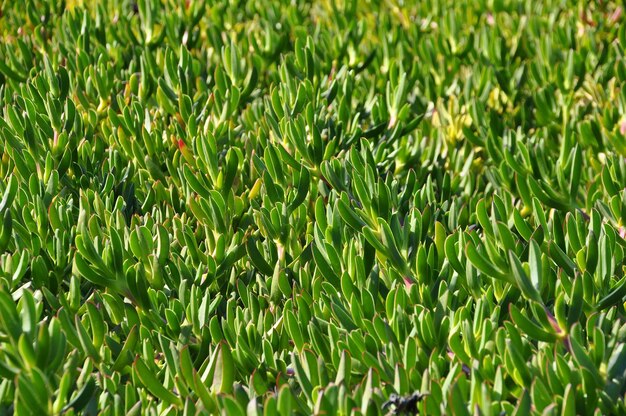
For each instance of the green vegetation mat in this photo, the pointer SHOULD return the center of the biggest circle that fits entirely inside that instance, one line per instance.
(274, 207)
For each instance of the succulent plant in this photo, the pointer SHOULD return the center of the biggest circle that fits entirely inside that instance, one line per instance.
(277, 208)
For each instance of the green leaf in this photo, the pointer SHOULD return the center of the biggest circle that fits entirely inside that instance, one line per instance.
(523, 405)
(391, 248)
(85, 340)
(533, 330)
(82, 397)
(302, 188)
(154, 386)
(615, 296)
(451, 254)
(9, 318)
(224, 375)
(582, 358)
(522, 280)
(257, 258)
(10, 73)
(484, 265)
(344, 369)
(575, 173)
(569, 401)
(458, 403)
(294, 329)
(31, 394)
(561, 259)
(125, 356)
(302, 376)
(9, 194)
(536, 266)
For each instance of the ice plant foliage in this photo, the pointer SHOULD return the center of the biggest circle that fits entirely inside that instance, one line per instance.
(333, 207)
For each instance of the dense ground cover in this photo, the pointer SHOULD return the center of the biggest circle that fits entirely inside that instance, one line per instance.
(273, 207)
